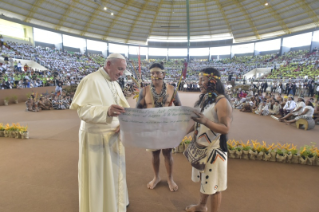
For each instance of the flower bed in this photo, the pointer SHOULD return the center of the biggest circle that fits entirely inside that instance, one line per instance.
(287, 153)
(14, 131)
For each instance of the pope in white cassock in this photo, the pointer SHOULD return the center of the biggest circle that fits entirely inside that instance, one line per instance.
(101, 169)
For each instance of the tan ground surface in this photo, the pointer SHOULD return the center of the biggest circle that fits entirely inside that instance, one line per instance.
(40, 174)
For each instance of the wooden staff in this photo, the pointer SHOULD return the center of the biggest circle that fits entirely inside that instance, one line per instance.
(174, 94)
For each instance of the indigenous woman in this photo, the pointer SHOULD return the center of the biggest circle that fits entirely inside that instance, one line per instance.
(210, 130)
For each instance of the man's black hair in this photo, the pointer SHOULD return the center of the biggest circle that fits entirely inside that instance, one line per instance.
(157, 65)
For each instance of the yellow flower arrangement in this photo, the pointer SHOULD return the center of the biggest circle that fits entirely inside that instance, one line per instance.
(187, 140)
(247, 146)
(293, 149)
(256, 145)
(239, 147)
(305, 151)
(280, 149)
(231, 144)
(270, 147)
(13, 127)
(7, 128)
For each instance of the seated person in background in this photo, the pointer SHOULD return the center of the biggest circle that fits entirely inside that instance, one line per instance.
(250, 93)
(257, 100)
(282, 105)
(268, 103)
(20, 84)
(55, 103)
(241, 103)
(297, 111)
(267, 96)
(272, 103)
(41, 104)
(47, 102)
(289, 106)
(248, 106)
(235, 102)
(28, 104)
(34, 104)
(66, 102)
(242, 94)
(261, 97)
(263, 109)
(307, 113)
(275, 109)
(279, 98)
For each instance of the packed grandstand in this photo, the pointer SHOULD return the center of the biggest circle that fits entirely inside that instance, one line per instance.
(71, 67)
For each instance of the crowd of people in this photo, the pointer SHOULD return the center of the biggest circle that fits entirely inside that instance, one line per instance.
(280, 106)
(48, 101)
(69, 68)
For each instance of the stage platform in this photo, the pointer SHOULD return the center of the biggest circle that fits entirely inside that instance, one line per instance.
(40, 174)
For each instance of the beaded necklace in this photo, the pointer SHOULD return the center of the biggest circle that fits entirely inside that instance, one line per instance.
(159, 99)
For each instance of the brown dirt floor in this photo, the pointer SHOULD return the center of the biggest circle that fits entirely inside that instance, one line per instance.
(40, 174)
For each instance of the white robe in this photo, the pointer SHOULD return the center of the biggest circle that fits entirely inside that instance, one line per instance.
(101, 168)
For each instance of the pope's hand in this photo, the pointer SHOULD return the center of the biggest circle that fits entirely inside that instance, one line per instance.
(200, 118)
(115, 110)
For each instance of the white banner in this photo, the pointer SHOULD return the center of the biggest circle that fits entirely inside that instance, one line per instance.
(155, 128)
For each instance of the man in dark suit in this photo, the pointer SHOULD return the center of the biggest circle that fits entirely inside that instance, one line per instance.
(293, 87)
(311, 89)
(265, 86)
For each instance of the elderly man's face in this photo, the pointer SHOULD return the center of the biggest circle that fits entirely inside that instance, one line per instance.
(115, 68)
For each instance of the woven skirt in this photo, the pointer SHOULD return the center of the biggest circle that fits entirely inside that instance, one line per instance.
(214, 177)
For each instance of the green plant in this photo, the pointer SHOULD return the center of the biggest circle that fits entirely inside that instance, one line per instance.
(187, 140)
(246, 148)
(280, 152)
(238, 148)
(6, 98)
(15, 97)
(231, 144)
(304, 151)
(311, 154)
(1, 127)
(268, 149)
(294, 152)
(24, 129)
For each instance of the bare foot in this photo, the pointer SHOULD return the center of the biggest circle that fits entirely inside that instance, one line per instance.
(153, 183)
(286, 122)
(172, 185)
(196, 208)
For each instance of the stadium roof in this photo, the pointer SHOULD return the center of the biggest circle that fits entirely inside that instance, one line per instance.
(136, 21)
